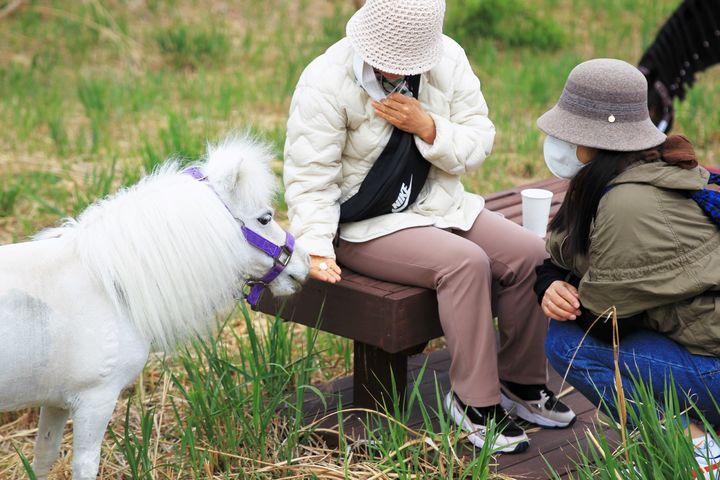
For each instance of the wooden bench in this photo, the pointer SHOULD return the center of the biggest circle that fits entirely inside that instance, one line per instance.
(388, 322)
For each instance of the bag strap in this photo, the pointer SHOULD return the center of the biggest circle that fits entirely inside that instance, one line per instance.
(413, 82)
(383, 183)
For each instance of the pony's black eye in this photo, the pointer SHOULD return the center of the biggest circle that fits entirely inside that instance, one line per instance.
(265, 219)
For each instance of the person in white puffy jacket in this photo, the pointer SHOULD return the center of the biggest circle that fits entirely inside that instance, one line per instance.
(381, 127)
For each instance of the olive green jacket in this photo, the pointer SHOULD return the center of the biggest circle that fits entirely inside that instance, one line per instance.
(653, 250)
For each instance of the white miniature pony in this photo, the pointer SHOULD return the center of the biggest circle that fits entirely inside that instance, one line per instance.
(154, 264)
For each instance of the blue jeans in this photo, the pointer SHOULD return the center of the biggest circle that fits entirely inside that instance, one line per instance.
(645, 355)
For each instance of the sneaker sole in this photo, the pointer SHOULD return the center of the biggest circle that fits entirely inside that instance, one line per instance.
(523, 412)
(478, 440)
(707, 472)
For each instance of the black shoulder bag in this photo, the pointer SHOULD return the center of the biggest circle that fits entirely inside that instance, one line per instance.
(394, 180)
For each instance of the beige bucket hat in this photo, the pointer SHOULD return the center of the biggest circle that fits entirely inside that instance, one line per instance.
(603, 105)
(403, 37)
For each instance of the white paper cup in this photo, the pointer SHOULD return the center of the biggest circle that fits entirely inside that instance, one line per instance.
(536, 209)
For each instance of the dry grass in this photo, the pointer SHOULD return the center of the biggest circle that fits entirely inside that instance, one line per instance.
(154, 390)
(55, 46)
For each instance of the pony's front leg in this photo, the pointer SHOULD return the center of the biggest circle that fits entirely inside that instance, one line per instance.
(90, 419)
(47, 445)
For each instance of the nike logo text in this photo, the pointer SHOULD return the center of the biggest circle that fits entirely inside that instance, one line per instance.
(403, 198)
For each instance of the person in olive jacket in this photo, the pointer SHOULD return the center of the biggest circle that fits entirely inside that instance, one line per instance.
(630, 235)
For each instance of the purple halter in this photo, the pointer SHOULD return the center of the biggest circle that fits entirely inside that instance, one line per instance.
(281, 255)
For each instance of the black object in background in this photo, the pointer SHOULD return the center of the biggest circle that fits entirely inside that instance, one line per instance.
(688, 43)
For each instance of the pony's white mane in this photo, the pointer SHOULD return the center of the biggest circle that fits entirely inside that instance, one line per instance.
(252, 182)
(167, 251)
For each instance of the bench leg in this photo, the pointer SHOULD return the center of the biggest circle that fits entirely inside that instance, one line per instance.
(373, 373)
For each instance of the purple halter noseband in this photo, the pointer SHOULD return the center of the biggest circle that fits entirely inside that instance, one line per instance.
(281, 255)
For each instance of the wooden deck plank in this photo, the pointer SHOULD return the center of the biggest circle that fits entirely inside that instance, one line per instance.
(546, 440)
(438, 358)
(556, 446)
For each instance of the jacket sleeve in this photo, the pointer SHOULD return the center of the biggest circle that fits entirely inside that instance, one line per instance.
(545, 274)
(600, 329)
(316, 133)
(464, 139)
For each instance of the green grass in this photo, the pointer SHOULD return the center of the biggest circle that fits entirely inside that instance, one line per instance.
(235, 408)
(657, 444)
(187, 46)
(510, 22)
(8, 197)
(95, 94)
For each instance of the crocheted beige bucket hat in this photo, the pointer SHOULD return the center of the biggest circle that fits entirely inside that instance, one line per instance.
(603, 105)
(403, 37)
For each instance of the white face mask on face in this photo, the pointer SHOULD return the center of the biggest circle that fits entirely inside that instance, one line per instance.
(366, 79)
(561, 158)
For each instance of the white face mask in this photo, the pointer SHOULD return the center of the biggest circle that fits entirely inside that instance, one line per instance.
(561, 158)
(367, 80)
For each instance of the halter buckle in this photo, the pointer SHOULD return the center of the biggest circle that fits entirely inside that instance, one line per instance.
(284, 256)
(248, 285)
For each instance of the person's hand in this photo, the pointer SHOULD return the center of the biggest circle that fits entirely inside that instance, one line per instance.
(407, 114)
(324, 268)
(561, 301)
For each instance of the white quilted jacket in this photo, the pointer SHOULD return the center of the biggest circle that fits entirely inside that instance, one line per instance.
(334, 137)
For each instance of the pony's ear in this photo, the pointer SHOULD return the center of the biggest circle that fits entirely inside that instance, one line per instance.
(240, 166)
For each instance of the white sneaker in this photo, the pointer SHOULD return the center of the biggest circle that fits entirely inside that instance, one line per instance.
(510, 438)
(546, 410)
(707, 454)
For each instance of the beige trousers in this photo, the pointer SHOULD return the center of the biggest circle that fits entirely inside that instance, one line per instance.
(461, 267)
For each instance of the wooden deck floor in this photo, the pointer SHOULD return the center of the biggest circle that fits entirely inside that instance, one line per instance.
(558, 447)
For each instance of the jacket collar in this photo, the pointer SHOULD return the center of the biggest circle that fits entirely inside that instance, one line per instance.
(664, 175)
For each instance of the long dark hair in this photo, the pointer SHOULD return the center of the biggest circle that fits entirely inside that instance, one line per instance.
(579, 207)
